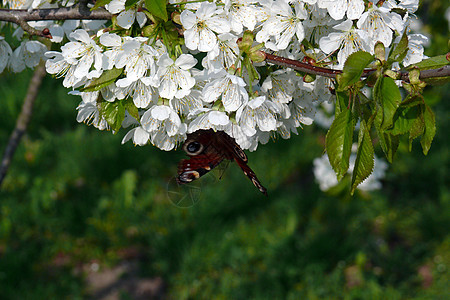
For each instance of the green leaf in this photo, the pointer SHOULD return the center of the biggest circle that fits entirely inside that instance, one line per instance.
(390, 98)
(364, 157)
(131, 108)
(157, 8)
(399, 51)
(431, 63)
(430, 129)
(114, 113)
(404, 118)
(341, 102)
(104, 80)
(388, 142)
(339, 142)
(100, 3)
(353, 68)
(130, 3)
(417, 127)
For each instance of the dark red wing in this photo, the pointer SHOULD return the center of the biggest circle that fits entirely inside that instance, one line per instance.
(197, 166)
(207, 149)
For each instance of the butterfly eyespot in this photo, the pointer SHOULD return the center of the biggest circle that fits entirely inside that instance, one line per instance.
(193, 148)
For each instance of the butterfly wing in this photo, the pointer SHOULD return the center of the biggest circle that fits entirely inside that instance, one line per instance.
(241, 159)
(204, 154)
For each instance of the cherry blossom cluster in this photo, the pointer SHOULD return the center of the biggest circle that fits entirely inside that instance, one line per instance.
(205, 83)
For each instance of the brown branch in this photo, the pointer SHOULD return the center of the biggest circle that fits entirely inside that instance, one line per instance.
(22, 120)
(314, 70)
(76, 12)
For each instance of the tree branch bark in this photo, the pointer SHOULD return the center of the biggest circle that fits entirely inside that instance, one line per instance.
(22, 120)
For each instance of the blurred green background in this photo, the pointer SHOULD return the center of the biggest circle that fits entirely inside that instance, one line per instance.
(77, 203)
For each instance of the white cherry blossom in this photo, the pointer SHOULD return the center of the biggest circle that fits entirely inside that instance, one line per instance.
(126, 18)
(161, 117)
(83, 54)
(175, 77)
(28, 54)
(142, 90)
(5, 53)
(242, 13)
(206, 118)
(139, 136)
(379, 22)
(283, 24)
(223, 55)
(348, 41)
(229, 87)
(256, 113)
(137, 58)
(203, 26)
(338, 8)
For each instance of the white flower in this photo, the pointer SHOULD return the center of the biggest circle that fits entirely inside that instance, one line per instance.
(229, 87)
(187, 103)
(415, 49)
(280, 85)
(114, 44)
(115, 6)
(283, 24)
(138, 134)
(126, 18)
(28, 54)
(175, 78)
(254, 113)
(88, 113)
(206, 118)
(241, 13)
(378, 22)
(137, 58)
(350, 40)
(56, 64)
(302, 111)
(83, 54)
(223, 55)
(338, 8)
(5, 53)
(161, 117)
(202, 27)
(142, 90)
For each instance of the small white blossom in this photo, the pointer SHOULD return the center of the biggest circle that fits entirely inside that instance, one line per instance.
(242, 13)
(89, 114)
(5, 53)
(83, 54)
(223, 55)
(138, 59)
(161, 117)
(139, 136)
(283, 24)
(206, 118)
(175, 77)
(28, 54)
(350, 40)
(256, 112)
(126, 18)
(379, 22)
(229, 87)
(202, 27)
(142, 90)
(338, 8)
(415, 49)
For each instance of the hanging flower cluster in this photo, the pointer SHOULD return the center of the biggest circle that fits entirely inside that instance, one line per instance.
(166, 80)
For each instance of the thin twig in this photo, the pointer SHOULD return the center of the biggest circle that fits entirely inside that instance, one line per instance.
(314, 70)
(22, 120)
(76, 12)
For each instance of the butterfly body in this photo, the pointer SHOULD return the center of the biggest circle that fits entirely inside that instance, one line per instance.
(207, 149)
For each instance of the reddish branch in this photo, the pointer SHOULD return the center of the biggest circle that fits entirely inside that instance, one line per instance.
(22, 120)
(314, 70)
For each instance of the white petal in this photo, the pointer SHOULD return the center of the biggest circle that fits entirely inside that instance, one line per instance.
(126, 18)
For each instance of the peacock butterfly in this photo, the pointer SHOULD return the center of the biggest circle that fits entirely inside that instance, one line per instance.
(207, 149)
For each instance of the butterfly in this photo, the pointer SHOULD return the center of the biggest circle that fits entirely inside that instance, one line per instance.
(207, 149)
